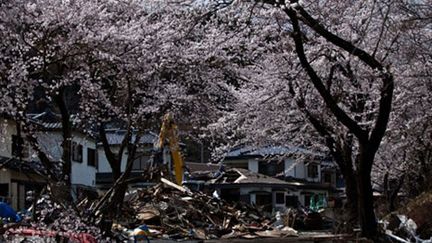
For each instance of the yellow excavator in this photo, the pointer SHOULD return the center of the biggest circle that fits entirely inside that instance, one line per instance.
(169, 132)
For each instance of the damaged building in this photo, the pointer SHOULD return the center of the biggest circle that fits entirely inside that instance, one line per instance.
(274, 177)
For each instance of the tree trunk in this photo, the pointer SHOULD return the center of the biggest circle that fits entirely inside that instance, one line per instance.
(116, 200)
(351, 194)
(365, 205)
(67, 139)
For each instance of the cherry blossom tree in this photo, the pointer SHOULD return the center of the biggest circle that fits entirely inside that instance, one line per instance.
(407, 145)
(127, 61)
(330, 82)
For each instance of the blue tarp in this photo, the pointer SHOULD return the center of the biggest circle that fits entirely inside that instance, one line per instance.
(8, 213)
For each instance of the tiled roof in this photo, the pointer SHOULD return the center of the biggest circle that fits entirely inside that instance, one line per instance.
(51, 121)
(269, 151)
(24, 166)
(193, 167)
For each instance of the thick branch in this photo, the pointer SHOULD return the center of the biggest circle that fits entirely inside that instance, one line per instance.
(336, 40)
(317, 82)
(385, 104)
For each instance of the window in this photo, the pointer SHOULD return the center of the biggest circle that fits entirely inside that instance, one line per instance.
(245, 198)
(307, 199)
(280, 198)
(4, 190)
(19, 148)
(327, 177)
(140, 163)
(312, 170)
(291, 201)
(270, 168)
(264, 200)
(230, 195)
(77, 152)
(91, 157)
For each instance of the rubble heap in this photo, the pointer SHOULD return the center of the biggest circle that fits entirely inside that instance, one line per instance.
(49, 219)
(174, 212)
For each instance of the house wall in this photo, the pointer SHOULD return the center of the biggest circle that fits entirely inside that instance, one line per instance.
(291, 168)
(104, 166)
(241, 163)
(281, 207)
(5, 178)
(51, 143)
(253, 165)
(16, 182)
(294, 168)
(82, 173)
(247, 190)
(7, 129)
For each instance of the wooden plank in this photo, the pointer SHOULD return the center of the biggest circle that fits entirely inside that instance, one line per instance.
(171, 184)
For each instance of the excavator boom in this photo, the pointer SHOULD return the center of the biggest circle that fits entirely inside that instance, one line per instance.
(169, 131)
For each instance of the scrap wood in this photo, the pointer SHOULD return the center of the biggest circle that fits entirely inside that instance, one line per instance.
(171, 184)
(395, 237)
(211, 220)
(193, 215)
(226, 222)
(269, 234)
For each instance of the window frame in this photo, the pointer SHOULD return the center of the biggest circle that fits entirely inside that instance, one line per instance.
(20, 148)
(142, 161)
(270, 168)
(281, 196)
(94, 152)
(327, 175)
(77, 152)
(315, 173)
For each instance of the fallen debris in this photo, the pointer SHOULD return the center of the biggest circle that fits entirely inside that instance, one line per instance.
(173, 212)
(412, 222)
(54, 220)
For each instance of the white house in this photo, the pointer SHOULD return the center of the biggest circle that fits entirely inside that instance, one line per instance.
(306, 174)
(20, 167)
(104, 178)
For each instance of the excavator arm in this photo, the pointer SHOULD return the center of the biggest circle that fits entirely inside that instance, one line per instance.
(169, 131)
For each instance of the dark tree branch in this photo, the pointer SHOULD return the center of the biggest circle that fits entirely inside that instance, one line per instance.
(67, 135)
(336, 40)
(316, 80)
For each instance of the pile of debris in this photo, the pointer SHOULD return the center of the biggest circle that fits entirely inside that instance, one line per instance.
(174, 212)
(411, 222)
(48, 219)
